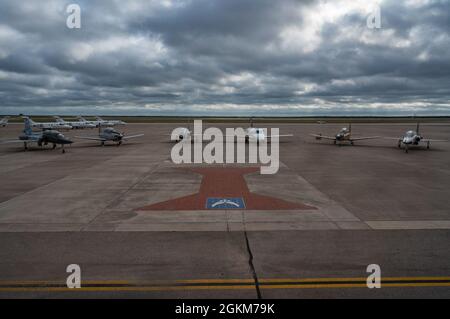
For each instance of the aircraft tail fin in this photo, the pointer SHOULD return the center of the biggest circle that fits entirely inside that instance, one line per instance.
(29, 120)
(81, 119)
(98, 118)
(28, 130)
(58, 119)
(350, 127)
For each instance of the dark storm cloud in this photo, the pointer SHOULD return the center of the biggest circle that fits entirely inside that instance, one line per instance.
(225, 57)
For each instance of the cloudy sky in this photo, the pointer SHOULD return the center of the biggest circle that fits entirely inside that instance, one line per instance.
(225, 57)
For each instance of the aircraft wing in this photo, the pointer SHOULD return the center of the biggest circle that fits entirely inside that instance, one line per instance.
(392, 138)
(132, 136)
(319, 136)
(91, 138)
(280, 135)
(364, 138)
(18, 141)
(430, 140)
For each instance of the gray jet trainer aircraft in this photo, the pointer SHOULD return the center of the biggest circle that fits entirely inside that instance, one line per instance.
(4, 121)
(109, 135)
(345, 134)
(413, 138)
(40, 138)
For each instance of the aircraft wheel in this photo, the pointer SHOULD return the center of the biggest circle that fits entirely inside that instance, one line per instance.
(334, 142)
(428, 145)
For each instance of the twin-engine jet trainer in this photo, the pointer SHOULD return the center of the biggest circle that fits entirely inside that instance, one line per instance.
(109, 135)
(413, 138)
(4, 121)
(76, 124)
(48, 125)
(344, 135)
(40, 138)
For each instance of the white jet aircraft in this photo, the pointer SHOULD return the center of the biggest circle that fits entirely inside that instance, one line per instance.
(75, 124)
(4, 121)
(48, 125)
(109, 122)
(413, 138)
(259, 134)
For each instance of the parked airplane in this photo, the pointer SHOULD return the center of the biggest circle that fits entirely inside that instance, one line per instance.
(84, 121)
(101, 122)
(251, 134)
(259, 134)
(345, 134)
(109, 122)
(4, 121)
(109, 135)
(40, 138)
(413, 138)
(48, 125)
(183, 133)
(75, 124)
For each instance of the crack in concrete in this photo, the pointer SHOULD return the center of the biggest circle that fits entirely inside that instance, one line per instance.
(250, 260)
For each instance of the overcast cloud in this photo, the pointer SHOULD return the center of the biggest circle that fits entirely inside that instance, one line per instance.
(232, 57)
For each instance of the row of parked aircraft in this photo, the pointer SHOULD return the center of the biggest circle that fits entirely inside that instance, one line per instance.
(410, 138)
(82, 123)
(61, 124)
(50, 135)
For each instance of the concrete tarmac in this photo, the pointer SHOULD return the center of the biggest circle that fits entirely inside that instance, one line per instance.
(373, 204)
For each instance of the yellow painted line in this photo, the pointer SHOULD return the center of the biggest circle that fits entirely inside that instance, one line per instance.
(317, 286)
(209, 281)
(220, 284)
(99, 289)
(43, 282)
(220, 281)
(275, 280)
(240, 287)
